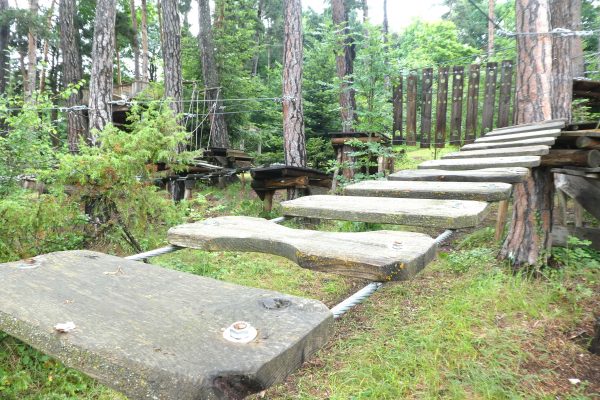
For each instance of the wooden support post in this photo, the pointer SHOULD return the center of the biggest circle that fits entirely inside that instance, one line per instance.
(426, 105)
(458, 74)
(578, 214)
(472, 104)
(501, 219)
(441, 107)
(411, 109)
(562, 207)
(504, 118)
(489, 102)
(397, 124)
(268, 202)
(575, 158)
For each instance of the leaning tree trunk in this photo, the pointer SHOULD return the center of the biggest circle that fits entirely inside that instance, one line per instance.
(134, 40)
(344, 61)
(529, 240)
(101, 76)
(71, 72)
(219, 136)
(145, 64)
(4, 37)
(31, 54)
(293, 115)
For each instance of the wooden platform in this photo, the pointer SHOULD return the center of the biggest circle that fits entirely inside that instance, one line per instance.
(536, 126)
(502, 152)
(379, 256)
(507, 175)
(479, 163)
(446, 214)
(154, 333)
(543, 141)
(484, 191)
(519, 136)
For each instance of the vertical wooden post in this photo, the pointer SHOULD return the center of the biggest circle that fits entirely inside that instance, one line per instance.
(505, 94)
(441, 108)
(578, 214)
(562, 207)
(268, 202)
(426, 104)
(458, 74)
(501, 219)
(397, 126)
(489, 101)
(411, 109)
(472, 103)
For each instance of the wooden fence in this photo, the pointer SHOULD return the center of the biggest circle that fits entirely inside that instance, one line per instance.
(458, 120)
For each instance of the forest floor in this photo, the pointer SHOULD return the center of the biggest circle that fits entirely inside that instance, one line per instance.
(465, 328)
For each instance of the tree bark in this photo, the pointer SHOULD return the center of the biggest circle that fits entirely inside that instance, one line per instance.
(31, 54)
(529, 240)
(134, 40)
(145, 65)
(71, 72)
(293, 115)
(561, 16)
(4, 38)
(219, 136)
(101, 76)
(344, 60)
(577, 43)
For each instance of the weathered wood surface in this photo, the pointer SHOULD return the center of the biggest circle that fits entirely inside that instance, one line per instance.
(504, 115)
(458, 75)
(481, 191)
(585, 191)
(487, 118)
(378, 256)
(576, 158)
(472, 103)
(507, 175)
(426, 106)
(449, 214)
(397, 113)
(441, 107)
(544, 141)
(560, 235)
(593, 133)
(155, 333)
(509, 152)
(411, 109)
(578, 172)
(584, 142)
(548, 133)
(537, 126)
(479, 163)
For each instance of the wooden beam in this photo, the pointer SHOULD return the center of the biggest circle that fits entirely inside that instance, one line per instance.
(576, 158)
(508, 175)
(585, 142)
(585, 191)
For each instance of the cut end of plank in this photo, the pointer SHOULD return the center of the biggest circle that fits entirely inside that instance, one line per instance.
(478, 163)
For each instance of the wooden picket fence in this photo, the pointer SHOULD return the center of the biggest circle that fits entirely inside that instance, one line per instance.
(479, 109)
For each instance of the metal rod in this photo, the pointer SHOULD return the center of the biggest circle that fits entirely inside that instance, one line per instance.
(279, 220)
(154, 253)
(444, 236)
(355, 299)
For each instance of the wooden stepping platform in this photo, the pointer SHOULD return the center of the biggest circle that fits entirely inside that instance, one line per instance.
(446, 214)
(538, 126)
(510, 152)
(478, 163)
(379, 256)
(552, 133)
(507, 175)
(543, 141)
(154, 333)
(482, 191)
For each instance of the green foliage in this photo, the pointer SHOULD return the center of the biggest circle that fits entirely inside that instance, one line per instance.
(318, 152)
(577, 254)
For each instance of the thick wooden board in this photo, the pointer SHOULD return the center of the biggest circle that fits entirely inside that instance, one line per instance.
(537, 126)
(507, 175)
(509, 152)
(426, 105)
(458, 74)
(487, 118)
(560, 235)
(479, 163)
(548, 133)
(585, 191)
(378, 256)
(593, 133)
(544, 141)
(447, 214)
(154, 333)
(505, 94)
(481, 191)
(472, 103)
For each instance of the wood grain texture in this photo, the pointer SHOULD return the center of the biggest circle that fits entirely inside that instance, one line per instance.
(523, 128)
(507, 175)
(458, 74)
(478, 163)
(512, 151)
(585, 191)
(505, 97)
(481, 191)
(154, 333)
(543, 141)
(593, 133)
(547, 133)
(447, 214)
(378, 256)
(472, 103)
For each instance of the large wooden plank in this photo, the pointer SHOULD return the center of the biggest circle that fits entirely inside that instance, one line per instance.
(479, 163)
(397, 105)
(489, 101)
(507, 175)
(411, 109)
(441, 107)
(447, 214)
(585, 191)
(593, 133)
(543, 141)
(511, 151)
(504, 115)
(377, 256)
(481, 191)
(547, 133)
(472, 103)
(537, 126)
(458, 74)
(155, 333)
(426, 106)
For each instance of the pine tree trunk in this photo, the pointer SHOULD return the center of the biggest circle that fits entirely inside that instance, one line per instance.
(145, 64)
(101, 76)
(577, 43)
(4, 37)
(561, 16)
(71, 72)
(134, 40)
(344, 61)
(293, 115)
(529, 240)
(31, 55)
(219, 136)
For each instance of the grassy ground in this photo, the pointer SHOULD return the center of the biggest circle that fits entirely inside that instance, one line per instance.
(465, 328)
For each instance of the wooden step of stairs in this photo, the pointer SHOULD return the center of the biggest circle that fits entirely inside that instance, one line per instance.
(536, 126)
(154, 333)
(503, 152)
(481, 191)
(378, 256)
(551, 133)
(507, 175)
(479, 163)
(543, 141)
(445, 214)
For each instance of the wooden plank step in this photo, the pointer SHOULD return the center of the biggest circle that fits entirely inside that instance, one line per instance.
(543, 141)
(482, 191)
(593, 133)
(537, 126)
(510, 152)
(519, 136)
(155, 333)
(447, 214)
(377, 256)
(478, 163)
(507, 175)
